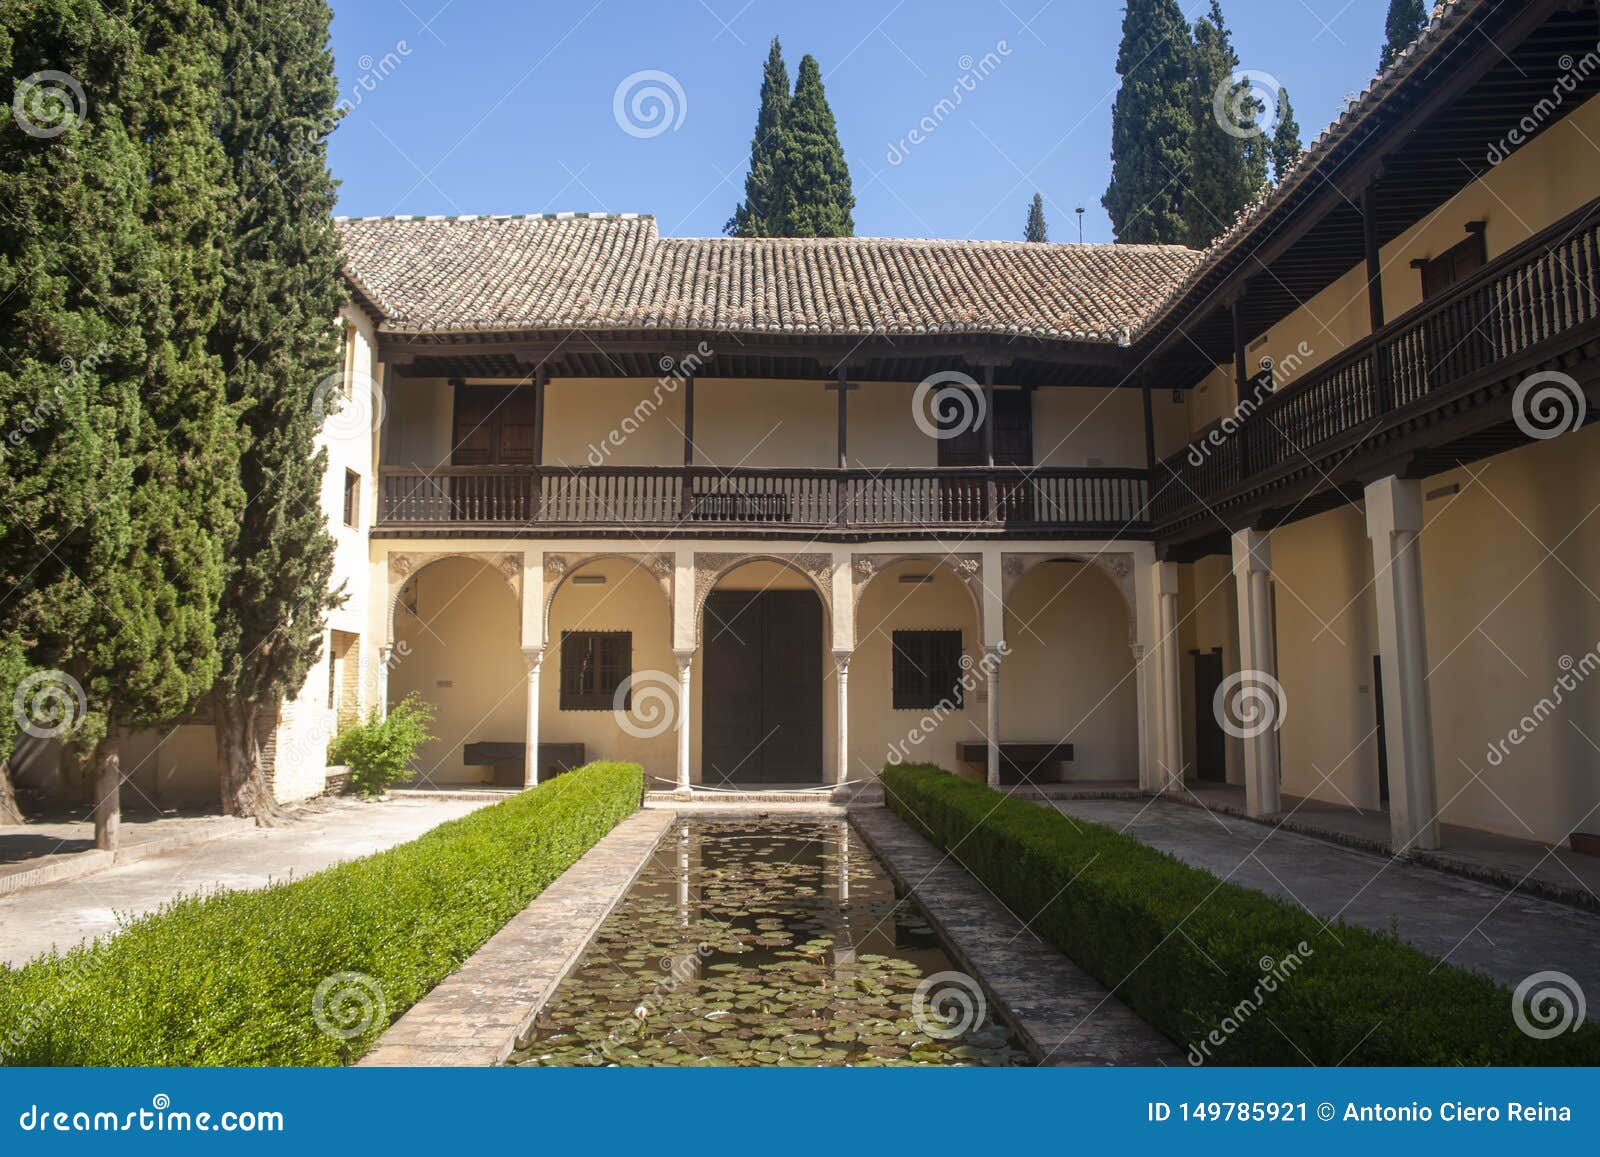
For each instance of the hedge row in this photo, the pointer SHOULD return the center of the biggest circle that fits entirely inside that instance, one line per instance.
(231, 978)
(1215, 966)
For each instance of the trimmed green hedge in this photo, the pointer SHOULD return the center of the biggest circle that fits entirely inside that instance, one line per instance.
(1158, 931)
(230, 978)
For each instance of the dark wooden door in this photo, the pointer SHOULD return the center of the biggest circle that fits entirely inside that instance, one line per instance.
(761, 694)
(1013, 446)
(1211, 746)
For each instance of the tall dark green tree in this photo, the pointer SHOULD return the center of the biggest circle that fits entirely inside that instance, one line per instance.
(1036, 229)
(1228, 154)
(1405, 20)
(1152, 124)
(814, 194)
(275, 344)
(1287, 147)
(74, 262)
(755, 216)
(150, 649)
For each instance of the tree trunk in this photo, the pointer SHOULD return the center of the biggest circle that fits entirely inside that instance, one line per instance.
(107, 793)
(245, 791)
(10, 813)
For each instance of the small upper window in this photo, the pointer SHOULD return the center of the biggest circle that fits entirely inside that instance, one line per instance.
(352, 498)
(927, 670)
(1453, 265)
(594, 665)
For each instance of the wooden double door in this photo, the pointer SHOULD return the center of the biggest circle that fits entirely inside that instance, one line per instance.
(761, 690)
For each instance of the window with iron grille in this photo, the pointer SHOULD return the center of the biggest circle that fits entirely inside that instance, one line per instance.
(927, 669)
(593, 665)
(352, 498)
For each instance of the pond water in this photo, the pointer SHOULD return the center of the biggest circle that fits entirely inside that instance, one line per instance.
(766, 942)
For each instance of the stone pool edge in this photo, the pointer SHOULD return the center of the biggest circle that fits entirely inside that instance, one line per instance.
(475, 1016)
(1062, 1015)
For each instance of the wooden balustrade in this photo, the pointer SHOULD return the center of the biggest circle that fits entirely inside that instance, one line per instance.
(803, 499)
(1529, 297)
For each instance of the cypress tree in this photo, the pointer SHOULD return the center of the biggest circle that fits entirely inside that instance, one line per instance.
(1286, 146)
(755, 215)
(1228, 167)
(1036, 229)
(73, 261)
(814, 196)
(1152, 124)
(1405, 20)
(275, 343)
(153, 652)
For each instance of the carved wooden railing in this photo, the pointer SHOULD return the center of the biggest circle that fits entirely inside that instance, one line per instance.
(1526, 299)
(802, 499)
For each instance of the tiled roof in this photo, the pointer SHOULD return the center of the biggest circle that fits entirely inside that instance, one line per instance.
(440, 274)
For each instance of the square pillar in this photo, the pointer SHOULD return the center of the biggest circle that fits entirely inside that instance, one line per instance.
(1394, 520)
(1250, 704)
(533, 657)
(1169, 725)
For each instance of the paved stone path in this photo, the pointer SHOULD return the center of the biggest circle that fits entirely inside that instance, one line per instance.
(67, 913)
(475, 1016)
(1505, 935)
(1071, 1018)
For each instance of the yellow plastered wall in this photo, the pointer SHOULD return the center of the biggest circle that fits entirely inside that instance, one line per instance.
(462, 654)
(877, 730)
(1070, 671)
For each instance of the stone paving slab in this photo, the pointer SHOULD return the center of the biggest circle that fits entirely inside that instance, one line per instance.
(48, 853)
(1065, 1016)
(476, 1015)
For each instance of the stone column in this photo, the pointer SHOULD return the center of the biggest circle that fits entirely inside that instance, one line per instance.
(991, 661)
(1256, 684)
(1170, 751)
(685, 669)
(1394, 520)
(534, 658)
(381, 692)
(841, 667)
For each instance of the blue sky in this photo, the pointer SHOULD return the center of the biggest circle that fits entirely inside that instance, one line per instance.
(489, 106)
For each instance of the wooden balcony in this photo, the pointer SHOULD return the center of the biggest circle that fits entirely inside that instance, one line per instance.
(1036, 501)
(1445, 370)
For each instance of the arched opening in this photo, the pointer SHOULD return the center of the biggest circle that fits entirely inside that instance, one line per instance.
(609, 680)
(457, 645)
(764, 680)
(916, 687)
(1069, 674)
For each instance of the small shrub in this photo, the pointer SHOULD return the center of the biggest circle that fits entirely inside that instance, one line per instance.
(379, 751)
(1114, 906)
(233, 978)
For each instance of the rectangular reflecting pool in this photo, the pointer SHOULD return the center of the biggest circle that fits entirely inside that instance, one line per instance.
(766, 942)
